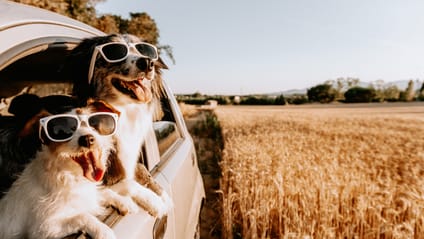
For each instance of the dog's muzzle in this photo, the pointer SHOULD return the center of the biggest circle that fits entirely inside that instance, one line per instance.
(86, 141)
(145, 64)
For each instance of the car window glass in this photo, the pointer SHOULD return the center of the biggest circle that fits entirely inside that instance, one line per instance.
(166, 130)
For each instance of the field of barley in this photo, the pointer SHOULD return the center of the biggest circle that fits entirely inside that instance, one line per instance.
(322, 171)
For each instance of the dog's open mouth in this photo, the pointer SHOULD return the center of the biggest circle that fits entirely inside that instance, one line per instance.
(91, 165)
(135, 89)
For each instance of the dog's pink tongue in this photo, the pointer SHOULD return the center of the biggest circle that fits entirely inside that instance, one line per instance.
(143, 94)
(92, 168)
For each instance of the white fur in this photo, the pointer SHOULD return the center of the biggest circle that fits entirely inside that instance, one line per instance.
(52, 198)
(135, 120)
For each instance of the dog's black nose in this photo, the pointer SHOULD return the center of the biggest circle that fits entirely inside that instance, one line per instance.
(145, 64)
(86, 140)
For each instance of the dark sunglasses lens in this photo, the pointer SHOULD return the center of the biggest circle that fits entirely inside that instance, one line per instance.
(104, 124)
(115, 52)
(61, 128)
(147, 50)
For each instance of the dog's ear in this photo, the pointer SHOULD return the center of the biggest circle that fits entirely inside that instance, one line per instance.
(102, 106)
(32, 124)
(115, 170)
(29, 109)
(78, 62)
(25, 106)
(161, 64)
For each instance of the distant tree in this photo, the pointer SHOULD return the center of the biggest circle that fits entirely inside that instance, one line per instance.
(421, 93)
(257, 100)
(83, 10)
(196, 95)
(143, 26)
(408, 94)
(280, 100)
(391, 93)
(340, 87)
(297, 99)
(359, 95)
(109, 23)
(342, 84)
(60, 7)
(323, 93)
(378, 86)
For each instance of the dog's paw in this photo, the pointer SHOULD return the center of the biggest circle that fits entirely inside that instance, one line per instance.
(126, 206)
(102, 232)
(147, 199)
(160, 208)
(123, 204)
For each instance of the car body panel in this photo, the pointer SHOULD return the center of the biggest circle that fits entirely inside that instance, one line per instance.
(26, 30)
(26, 27)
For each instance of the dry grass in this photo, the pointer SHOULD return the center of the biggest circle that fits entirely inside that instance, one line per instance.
(322, 172)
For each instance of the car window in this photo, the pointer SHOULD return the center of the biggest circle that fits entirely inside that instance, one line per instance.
(166, 135)
(37, 73)
(166, 130)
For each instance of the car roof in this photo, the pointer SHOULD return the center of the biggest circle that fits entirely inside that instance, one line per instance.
(23, 27)
(14, 14)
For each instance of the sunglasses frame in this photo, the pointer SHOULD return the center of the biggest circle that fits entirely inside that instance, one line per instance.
(98, 49)
(80, 118)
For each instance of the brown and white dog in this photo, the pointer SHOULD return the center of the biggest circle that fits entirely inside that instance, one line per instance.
(126, 73)
(58, 192)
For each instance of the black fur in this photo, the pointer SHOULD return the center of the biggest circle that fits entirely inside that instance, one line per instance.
(19, 139)
(78, 63)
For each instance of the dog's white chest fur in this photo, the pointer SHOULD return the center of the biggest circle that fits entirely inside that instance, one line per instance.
(56, 195)
(134, 122)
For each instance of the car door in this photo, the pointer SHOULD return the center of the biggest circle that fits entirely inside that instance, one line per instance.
(178, 166)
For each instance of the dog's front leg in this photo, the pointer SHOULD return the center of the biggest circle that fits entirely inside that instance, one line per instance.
(121, 203)
(144, 197)
(85, 223)
(143, 177)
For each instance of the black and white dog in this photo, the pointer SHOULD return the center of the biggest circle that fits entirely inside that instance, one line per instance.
(125, 72)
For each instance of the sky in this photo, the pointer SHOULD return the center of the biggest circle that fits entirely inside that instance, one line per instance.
(242, 47)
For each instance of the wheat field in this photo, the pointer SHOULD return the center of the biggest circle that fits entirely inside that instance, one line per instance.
(322, 171)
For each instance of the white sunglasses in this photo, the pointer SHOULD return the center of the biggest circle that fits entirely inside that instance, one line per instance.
(117, 51)
(62, 127)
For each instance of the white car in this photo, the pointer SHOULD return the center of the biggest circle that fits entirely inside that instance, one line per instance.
(33, 45)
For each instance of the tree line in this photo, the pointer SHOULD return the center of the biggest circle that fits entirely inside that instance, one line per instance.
(348, 90)
(139, 24)
(344, 90)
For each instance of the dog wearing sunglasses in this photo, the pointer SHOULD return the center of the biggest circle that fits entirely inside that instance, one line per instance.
(126, 73)
(58, 192)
